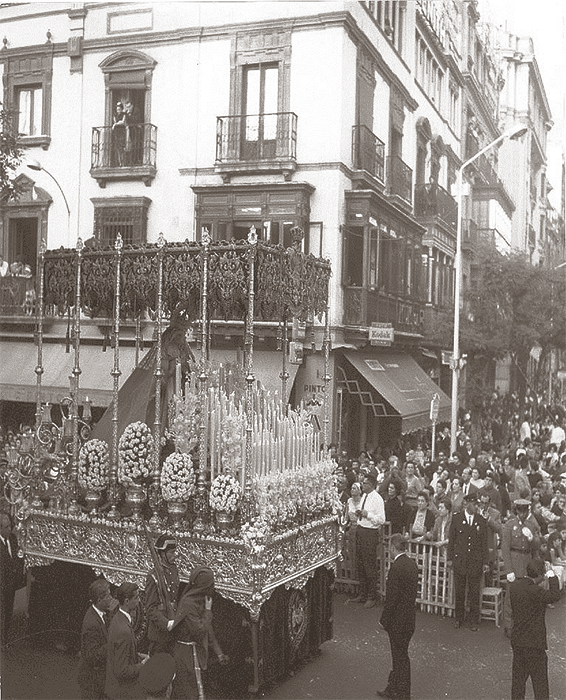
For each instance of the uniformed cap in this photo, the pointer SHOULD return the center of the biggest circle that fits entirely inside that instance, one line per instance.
(522, 502)
(472, 497)
(157, 672)
(165, 542)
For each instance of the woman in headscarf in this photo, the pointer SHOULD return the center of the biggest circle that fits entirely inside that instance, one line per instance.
(192, 628)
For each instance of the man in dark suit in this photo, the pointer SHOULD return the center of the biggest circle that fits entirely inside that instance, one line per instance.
(94, 641)
(11, 573)
(122, 660)
(160, 641)
(398, 617)
(528, 636)
(468, 557)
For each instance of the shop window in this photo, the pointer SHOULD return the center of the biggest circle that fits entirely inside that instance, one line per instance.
(126, 216)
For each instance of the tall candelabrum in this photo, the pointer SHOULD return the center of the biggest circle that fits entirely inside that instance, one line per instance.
(74, 508)
(247, 506)
(154, 495)
(200, 497)
(113, 513)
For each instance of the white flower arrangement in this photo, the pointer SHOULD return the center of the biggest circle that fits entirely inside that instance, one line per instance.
(255, 535)
(135, 451)
(225, 493)
(93, 465)
(177, 477)
(231, 441)
(184, 420)
(284, 496)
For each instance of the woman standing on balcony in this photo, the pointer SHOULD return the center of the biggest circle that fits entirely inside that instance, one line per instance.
(118, 135)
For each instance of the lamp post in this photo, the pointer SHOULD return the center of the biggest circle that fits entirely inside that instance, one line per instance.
(514, 133)
(35, 165)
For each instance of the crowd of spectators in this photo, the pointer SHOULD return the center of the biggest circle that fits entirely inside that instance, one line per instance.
(422, 494)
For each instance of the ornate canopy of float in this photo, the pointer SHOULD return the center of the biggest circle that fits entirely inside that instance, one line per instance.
(242, 480)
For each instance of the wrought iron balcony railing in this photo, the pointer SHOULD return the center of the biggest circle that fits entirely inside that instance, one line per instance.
(435, 201)
(363, 306)
(368, 152)
(256, 137)
(399, 178)
(124, 152)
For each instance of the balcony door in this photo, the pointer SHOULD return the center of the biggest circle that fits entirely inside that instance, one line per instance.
(23, 241)
(260, 101)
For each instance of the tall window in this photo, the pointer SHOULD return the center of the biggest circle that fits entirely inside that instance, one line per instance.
(30, 110)
(28, 92)
(260, 96)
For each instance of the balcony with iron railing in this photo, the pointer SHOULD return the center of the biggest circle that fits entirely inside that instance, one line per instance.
(469, 235)
(256, 142)
(399, 179)
(124, 153)
(368, 152)
(364, 306)
(434, 202)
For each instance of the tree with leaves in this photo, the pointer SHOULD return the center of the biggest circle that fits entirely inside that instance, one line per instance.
(511, 308)
(10, 154)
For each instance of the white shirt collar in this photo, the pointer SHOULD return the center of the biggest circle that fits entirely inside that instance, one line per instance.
(127, 615)
(101, 614)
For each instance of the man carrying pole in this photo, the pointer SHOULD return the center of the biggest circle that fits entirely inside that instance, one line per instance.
(161, 593)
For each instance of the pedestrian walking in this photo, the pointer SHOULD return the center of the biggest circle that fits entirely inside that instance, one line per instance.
(123, 664)
(528, 637)
(468, 557)
(94, 641)
(398, 617)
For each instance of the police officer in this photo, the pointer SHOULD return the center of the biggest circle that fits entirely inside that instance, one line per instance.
(160, 641)
(520, 540)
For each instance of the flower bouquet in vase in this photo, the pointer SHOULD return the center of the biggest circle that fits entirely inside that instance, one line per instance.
(177, 484)
(135, 450)
(225, 496)
(92, 473)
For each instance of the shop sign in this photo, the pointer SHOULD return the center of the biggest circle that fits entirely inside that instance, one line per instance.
(381, 334)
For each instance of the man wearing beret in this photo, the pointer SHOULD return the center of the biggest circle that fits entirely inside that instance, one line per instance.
(156, 677)
(160, 640)
(520, 540)
(468, 557)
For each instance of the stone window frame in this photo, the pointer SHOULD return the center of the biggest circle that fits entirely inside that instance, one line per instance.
(134, 208)
(27, 68)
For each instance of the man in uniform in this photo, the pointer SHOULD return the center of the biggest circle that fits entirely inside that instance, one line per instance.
(468, 556)
(159, 603)
(520, 540)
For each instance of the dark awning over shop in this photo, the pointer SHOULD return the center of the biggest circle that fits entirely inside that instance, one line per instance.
(18, 378)
(399, 380)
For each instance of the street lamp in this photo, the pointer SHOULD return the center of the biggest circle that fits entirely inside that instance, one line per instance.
(514, 133)
(35, 165)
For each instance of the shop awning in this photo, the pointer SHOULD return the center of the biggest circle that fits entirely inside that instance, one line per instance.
(267, 367)
(399, 380)
(18, 378)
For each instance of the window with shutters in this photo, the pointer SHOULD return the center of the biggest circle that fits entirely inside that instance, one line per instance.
(126, 216)
(27, 92)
